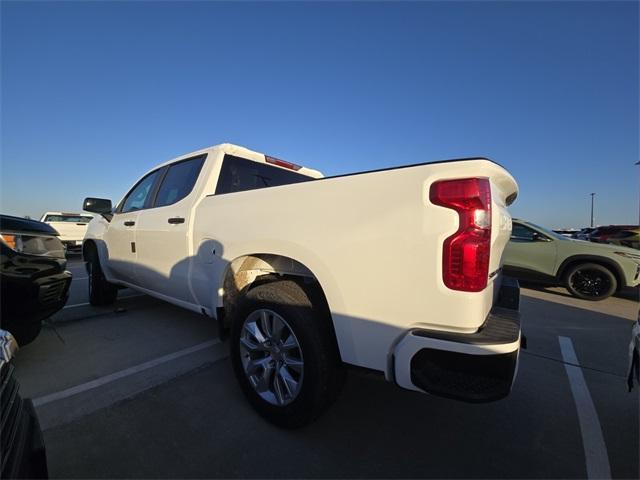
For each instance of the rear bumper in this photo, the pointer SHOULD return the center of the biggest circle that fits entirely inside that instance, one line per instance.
(477, 367)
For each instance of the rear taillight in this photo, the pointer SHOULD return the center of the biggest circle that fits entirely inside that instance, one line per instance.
(465, 260)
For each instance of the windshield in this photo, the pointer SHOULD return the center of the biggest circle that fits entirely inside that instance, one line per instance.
(548, 232)
(68, 218)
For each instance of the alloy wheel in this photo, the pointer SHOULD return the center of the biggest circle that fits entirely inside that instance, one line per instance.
(271, 357)
(590, 282)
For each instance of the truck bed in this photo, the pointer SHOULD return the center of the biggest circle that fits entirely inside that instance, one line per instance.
(372, 240)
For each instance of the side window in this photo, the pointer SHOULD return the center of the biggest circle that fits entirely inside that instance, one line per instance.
(179, 181)
(238, 174)
(521, 233)
(136, 199)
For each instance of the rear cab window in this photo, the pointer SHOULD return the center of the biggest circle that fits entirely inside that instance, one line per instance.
(239, 174)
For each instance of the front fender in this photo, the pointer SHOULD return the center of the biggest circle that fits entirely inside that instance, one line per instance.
(95, 235)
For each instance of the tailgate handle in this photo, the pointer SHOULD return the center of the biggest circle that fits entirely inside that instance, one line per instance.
(129, 223)
(176, 220)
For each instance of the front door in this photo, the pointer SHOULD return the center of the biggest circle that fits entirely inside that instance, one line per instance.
(163, 233)
(530, 251)
(120, 241)
(120, 236)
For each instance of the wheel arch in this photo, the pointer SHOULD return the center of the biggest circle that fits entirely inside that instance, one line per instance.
(98, 247)
(89, 247)
(249, 270)
(603, 261)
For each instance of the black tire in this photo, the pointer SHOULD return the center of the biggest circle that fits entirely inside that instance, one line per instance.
(24, 333)
(322, 370)
(101, 292)
(590, 281)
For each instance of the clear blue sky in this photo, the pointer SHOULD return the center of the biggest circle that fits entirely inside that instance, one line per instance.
(94, 94)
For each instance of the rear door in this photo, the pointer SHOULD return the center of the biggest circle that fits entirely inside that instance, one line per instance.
(163, 232)
(120, 235)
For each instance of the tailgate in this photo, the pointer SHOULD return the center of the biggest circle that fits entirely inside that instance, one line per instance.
(70, 230)
(504, 191)
(470, 200)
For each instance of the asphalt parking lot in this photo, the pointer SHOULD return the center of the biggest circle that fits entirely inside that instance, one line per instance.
(144, 389)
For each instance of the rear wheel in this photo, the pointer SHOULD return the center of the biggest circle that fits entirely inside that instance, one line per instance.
(284, 353)
(590, 281)
(101, 292)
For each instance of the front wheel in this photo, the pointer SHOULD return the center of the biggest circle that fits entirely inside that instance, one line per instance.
(591, 281)
(284, 354)
(101, 292)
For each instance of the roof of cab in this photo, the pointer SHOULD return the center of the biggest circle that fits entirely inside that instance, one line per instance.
(243, 152)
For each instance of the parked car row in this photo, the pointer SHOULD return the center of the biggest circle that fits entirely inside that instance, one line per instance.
(23, 450)
(34, 284)
(297, 291)
(623, 235)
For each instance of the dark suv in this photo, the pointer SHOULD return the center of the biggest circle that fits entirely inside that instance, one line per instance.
(33, 276)
(23, 451)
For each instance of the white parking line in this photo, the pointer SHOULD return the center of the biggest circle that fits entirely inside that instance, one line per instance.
(76, 305)
(595, 450)
(121, 374)
(79, 278)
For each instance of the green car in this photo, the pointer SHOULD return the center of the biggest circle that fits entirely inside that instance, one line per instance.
(592, 271)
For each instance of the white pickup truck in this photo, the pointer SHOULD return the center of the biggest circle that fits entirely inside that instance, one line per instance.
(72, 227)
(397, 271)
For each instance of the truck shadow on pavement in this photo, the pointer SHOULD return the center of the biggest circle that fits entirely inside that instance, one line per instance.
(199, 425)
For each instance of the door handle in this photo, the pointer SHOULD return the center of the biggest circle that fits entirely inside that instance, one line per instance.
(129, 223)
(176, 220)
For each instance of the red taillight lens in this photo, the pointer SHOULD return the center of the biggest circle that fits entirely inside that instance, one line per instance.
(465, 260)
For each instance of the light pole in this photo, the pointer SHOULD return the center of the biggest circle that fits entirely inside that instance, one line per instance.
(592, 195)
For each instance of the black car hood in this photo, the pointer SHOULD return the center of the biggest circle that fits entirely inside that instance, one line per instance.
(17, 224)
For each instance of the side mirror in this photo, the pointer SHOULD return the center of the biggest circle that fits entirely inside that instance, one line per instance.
(539, 238)
(97, 205)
